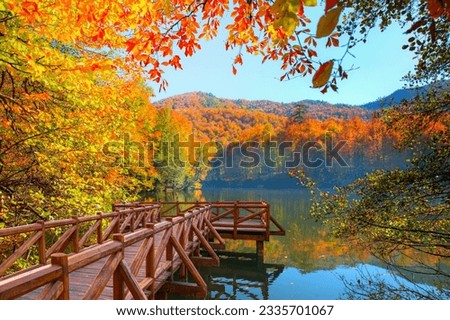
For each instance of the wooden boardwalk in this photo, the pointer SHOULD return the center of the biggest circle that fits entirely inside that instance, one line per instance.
(130, 253)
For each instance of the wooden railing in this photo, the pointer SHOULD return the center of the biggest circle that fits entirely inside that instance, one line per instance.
(74, 234)
(228, 216)
(240, 216)
(163, 248)
(134, 250)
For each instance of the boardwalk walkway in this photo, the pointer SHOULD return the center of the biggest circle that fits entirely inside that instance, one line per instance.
(130, 253)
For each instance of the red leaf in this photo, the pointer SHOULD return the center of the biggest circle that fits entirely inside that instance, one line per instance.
(29, 7)
(238, 59)
(95, 66)
(435, 7)
(234, 70)
(330, 4)
(323, 74)
(131, 43)
(175, 62)
(99, 36)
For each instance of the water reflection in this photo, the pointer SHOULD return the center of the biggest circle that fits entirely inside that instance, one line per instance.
(241, 276)
(305, 264)
(306, 245)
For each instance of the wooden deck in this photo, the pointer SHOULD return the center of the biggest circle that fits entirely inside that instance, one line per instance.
(134, 252)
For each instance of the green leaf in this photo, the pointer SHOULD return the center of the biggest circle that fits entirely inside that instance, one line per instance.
(328, 22)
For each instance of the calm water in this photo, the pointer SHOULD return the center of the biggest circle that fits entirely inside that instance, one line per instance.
(304, 264)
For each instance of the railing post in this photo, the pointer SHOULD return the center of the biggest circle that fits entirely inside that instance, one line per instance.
(169, 247)
(117, 226)
(61, 259)
(41, 244)
(268, 220)
(100, 229)
(149, 262)
(118, 282)
(132, 220)
(150, 267)
(260, 248)
(177, 206)
(235, 219)
(75, 237)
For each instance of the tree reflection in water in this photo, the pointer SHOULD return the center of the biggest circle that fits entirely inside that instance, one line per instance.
(241, 276)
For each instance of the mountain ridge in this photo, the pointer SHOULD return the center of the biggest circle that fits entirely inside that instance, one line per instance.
(316, 108)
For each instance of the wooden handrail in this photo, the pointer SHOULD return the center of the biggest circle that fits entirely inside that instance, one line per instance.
(75, 233)
(21, 284)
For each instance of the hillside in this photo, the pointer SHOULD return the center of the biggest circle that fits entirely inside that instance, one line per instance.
(404, 94)
(317, 109)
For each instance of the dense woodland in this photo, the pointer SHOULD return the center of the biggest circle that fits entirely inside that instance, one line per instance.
(368, 145)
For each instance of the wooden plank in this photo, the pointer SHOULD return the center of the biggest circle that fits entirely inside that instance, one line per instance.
(105, 274)
(214, 232)
(204, 262)
(188, 263)
(206, 245)
(131, 282)
(118, 285)
(256, 230)
(184, 288)
(91, 230)
(146, 282)
(217, 246)
(62, 242)
(42, 244)
(137, 236)
(141, 255)
(59, 223)
(126, 222)
(11, 231)
(258, 214)
(139, 220)
(19, 252)
(230, 212)
(111, 227)
(61, 260)
(281, 231)
(52, 291)
(93, 254)
(160, 246)
(18, 285)
(244, 236)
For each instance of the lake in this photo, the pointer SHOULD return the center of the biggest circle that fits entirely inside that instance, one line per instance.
(304, 264)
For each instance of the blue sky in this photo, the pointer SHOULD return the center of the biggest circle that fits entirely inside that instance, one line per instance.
(381, 63)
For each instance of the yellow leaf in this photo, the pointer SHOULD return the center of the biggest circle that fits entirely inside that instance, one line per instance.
(323, 74)
(289, 22)
(286, 12)
(328, 22)
(310, 3)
